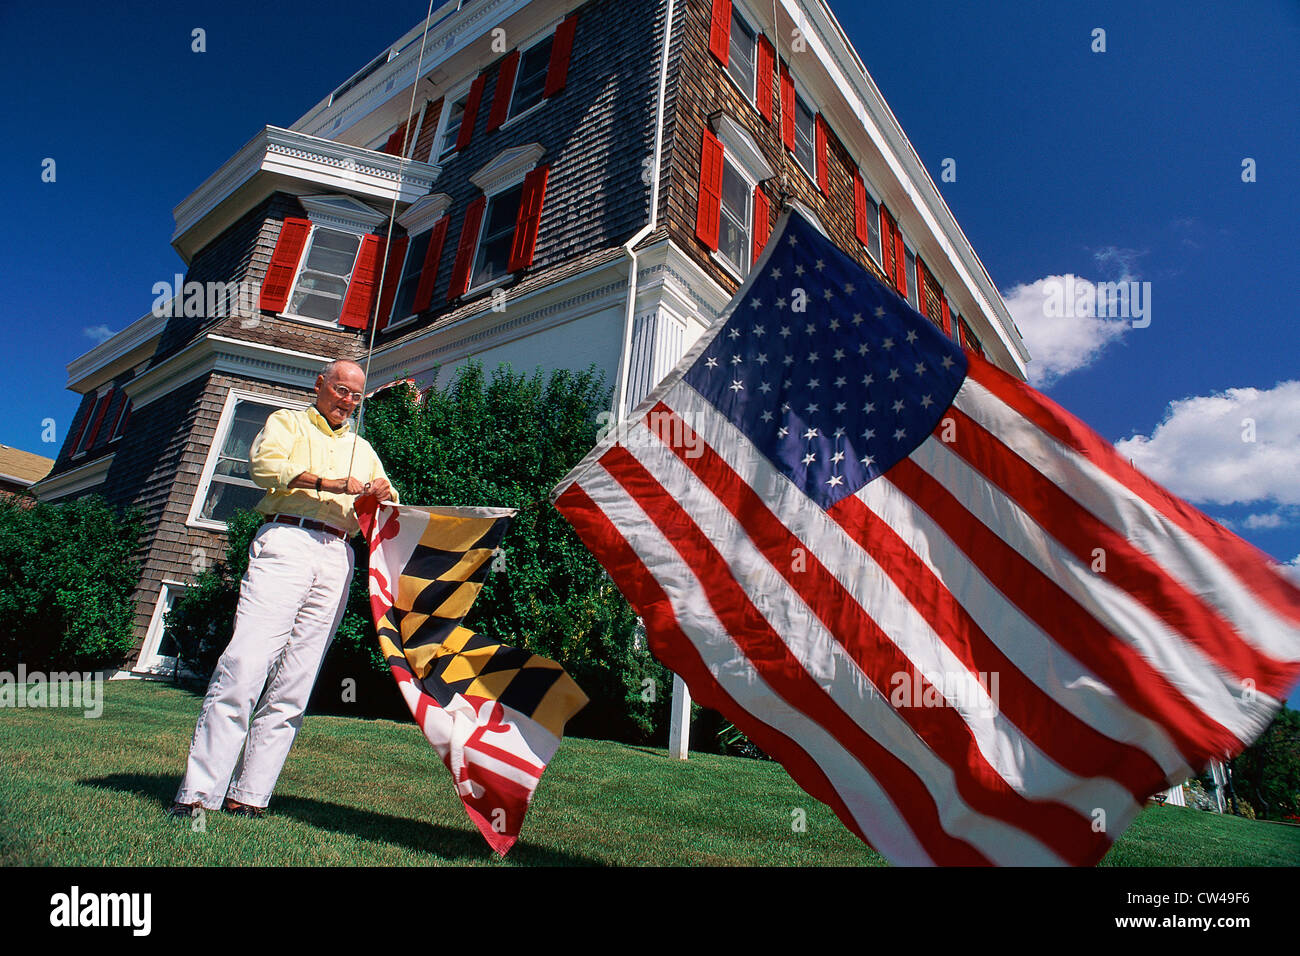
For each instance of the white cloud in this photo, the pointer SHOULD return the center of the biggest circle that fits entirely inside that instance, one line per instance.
(1272, 519)
(1120, 261)
(1292, 568)
(1237, 446)
(1060, 344)
(100, 333)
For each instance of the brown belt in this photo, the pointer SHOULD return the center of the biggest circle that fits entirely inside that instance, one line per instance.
(310, 525)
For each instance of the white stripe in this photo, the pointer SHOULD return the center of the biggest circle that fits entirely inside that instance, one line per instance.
(832, 668)
(1018, 759)
(1034, 653)
(866, 801)
(1178, 553)
(1183, 664)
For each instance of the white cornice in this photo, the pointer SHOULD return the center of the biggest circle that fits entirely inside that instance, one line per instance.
(138, 334)
(342, 212)
(423, 213)
(281, 159)
(507, 167)
(73, 481)
(742, 147)
(217, 353)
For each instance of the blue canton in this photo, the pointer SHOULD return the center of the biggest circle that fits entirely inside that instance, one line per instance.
(827, 371)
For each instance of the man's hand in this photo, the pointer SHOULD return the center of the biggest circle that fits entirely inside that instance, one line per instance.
(380, 489)
(351, 486)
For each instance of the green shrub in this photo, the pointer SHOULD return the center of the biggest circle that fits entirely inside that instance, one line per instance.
(67, 574)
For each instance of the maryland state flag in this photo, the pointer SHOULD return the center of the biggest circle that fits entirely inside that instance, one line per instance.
(495, 714)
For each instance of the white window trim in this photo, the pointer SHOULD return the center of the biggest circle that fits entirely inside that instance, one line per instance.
(879, 257)
(233, 396)
(539, 37)
(449, 100)
(100, 394)
(406, 319)
(752, 183)
(499, 281)
(150, 661)
(114, 435)
(342, 214)
(801, 94)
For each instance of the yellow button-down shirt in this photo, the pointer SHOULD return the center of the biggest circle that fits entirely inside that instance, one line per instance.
(296, 441)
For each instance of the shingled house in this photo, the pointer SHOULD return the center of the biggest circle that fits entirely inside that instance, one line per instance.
(577, 183)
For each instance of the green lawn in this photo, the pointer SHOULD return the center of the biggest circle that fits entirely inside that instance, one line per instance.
(357, 792)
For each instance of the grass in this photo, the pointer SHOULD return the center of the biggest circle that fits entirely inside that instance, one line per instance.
(93, 792)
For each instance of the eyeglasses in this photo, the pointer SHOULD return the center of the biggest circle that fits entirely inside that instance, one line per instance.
(342, 391)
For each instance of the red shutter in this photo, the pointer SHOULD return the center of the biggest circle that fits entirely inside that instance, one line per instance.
(99, 418)
(471, 111)
(886, 242)
(819, 140)
(946, 315)
(787, 108)
(363, 287)
(900, 263)
(429, 271)
(720, 30)
(392, 275)
(766, 63)
(284, 265)
(394, 145)
(860, 226)
(505, 89)
(920, 287)
(708, 209)
(557, 71)
(530, 215)
(762, 227)
(465, 248)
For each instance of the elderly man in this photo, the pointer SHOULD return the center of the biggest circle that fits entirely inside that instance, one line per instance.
(291, 600)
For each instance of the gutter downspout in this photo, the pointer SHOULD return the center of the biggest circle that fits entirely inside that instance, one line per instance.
(625, 356)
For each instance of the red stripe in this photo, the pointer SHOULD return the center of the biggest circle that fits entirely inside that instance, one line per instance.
(1069, 741)
(673, 647)
(1081, 532)
(1143, 688)
(505, 756)
(1252, 567)
(942, 729)
(499, 793)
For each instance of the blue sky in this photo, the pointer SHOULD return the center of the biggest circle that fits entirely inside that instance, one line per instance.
(1099, 165)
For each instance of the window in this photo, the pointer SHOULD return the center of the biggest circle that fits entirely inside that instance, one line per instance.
(158, 653)
(90, 426)
(119, 427)
(453, 115)
(323, 279)
(493, 257)
(872, 226)
(734, 236)
(740, 58)
(910, 258)
(403, 304)
(530, 79)
(226, 485)
(805, 136)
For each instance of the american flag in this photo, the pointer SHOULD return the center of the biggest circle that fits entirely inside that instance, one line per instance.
(946, 606)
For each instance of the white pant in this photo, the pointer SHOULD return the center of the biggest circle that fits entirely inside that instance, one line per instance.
(290, 604)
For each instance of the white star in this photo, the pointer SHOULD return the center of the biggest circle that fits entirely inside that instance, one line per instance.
(766, 416)
(780, 303)
(867, 460)
(712, 362)
(765, 388)
(735, 360)
(755, 303)
(857, 318)
(868, 379)
(920, 368)
(898, 406)
(911, 336)
(898, 434)
(810, 433)
(819, 265)
(811, 408)
(810, 328)
(869, 434)
(839, 407)
(880, 311)
(785, 331)
(888, 344)
(839, 354)
(735, 333)
(787, 385)
(839, 382)
(776, 273)
(947, 361)
(762, 358)
(827, 293)
(809, 458)
(798, 270)
(782, 432)
(835, 324)
(926, 401)
(869, 407)
(794, 240)
(785, 406)
(758, 330)
(814, 383)
(736, 386)
(863, 349)
(812, 356)
(893, 375)
(848, 288)
(837, 457)
(788, 360)
(839, 432)
(834, 480)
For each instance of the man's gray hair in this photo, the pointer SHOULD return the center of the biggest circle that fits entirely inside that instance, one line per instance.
(329, 370)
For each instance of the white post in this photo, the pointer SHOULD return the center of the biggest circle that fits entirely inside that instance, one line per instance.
(679, 725)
